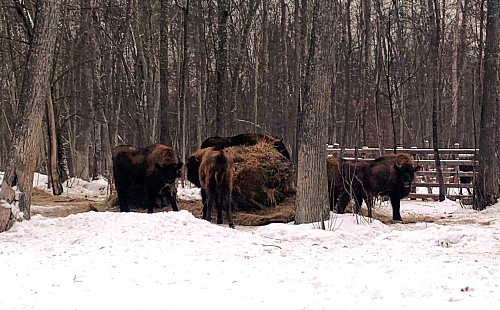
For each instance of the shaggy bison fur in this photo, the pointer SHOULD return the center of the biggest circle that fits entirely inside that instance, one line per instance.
(151, 170)
(218, 142)
(346, 179)
(215, 172)
(388, 175)
(246, 139)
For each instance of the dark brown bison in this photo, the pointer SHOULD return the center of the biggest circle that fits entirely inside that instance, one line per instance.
(346, 179)
(215, 172)
(388, 175)
(151, 170)
(465, 179)
(218, 142)
(335, 181)
(246, 139)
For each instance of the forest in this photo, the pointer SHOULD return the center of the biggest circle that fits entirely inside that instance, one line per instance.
(384, 73)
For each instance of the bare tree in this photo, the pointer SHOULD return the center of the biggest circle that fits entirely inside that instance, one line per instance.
(27, 132)
(52, 147)
(311, 203)
(223, 14)
(434, 22)
(488, 180)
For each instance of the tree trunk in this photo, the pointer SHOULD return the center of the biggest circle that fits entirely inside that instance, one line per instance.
(434, 22)
(256, 86)
(311, 202)
(52, 162)
(165, 136)
(27, 131)
(220, 105)
(184, 81)
(241, 52)
(488, 180)
(347, 78)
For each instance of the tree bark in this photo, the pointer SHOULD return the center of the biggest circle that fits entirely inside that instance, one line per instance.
(311, 203)
(27, 131)
(220, 105)
(488, 180)
(52, 162)
(434, 22)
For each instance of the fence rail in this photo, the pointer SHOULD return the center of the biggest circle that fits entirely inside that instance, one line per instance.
(458, 166)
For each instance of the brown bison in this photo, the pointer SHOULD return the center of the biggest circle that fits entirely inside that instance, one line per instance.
(335, 181)
(346, 179)
(152, 170)
(215, 172)
(246, 139)
(218, 142)
(388, 175)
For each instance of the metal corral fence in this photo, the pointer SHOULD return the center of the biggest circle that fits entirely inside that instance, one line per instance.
(458, 165)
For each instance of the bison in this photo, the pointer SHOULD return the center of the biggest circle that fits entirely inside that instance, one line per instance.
(246, 139)
(218, 142)
(335, 181)
(388, 175)
(212, 170)
(152, 170)
(346, 179)
(465, 179)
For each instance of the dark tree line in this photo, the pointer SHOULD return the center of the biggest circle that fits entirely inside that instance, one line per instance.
(388, 72)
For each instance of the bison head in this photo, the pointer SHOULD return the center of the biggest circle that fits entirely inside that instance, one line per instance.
(169, 172)
(280, 147)
(192, 166)
(406, 174)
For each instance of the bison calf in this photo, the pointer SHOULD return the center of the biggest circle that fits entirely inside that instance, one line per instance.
(152, 170)
(212, 170)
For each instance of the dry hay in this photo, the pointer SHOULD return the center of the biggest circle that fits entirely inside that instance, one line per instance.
(263, 177)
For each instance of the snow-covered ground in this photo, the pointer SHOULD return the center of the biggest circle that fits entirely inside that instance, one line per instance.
(172, 260)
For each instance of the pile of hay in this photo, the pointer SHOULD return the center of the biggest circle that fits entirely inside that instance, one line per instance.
(263, 177)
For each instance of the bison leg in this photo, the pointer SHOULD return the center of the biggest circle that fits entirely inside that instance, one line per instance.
(369, 204)
(358, 201)
(396, 205)
(343, 201)
(219, 205)
(209, 205)
(152, 193)
(167, 197)
(333, 197)
(173, 202)
(227, 208)
(122, 187)
(204, 201)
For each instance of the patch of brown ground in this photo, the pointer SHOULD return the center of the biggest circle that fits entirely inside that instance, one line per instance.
(61, 206)
(65, 205)
(281, 213)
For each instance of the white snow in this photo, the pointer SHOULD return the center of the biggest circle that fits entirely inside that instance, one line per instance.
(172, 260)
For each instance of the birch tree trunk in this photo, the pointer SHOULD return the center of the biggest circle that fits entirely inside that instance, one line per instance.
(27, 131)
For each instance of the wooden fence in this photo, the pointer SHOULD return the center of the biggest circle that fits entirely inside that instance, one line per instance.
(458, 167)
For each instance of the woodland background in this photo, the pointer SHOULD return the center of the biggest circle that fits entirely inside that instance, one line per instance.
(141, 72)
(381, 73)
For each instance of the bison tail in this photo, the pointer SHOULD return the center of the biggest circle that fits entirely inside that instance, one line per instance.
(221, 159)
